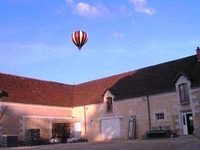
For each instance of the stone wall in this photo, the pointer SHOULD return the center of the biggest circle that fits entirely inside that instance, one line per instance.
(125, 109)
(164, 103)
(20, 117)
(44, 124)
(196, 110)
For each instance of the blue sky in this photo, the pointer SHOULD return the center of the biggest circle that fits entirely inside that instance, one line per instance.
(124, 35)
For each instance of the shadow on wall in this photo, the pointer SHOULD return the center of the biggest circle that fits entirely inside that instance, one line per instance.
(198, 127)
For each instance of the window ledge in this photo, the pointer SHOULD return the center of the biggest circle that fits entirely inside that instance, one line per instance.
(111, 117)
(185, 103)
(109, 112)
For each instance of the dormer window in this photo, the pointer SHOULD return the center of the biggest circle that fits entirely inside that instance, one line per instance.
(184, 92)
(109, 104)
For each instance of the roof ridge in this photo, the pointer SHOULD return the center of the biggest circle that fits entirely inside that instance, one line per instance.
(167, 62)
(104, 78)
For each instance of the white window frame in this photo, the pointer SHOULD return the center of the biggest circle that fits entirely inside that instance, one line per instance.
(158, 116)
(184, 92)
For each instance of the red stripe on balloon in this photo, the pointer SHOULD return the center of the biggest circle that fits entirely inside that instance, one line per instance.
(79, 38)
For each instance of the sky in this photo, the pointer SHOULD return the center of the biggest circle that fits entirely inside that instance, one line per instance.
(123, 35)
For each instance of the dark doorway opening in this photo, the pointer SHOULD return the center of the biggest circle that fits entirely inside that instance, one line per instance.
(61, 130)
(190, 126)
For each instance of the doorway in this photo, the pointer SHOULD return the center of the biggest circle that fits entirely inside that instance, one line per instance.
(61, 130)
(111, 128)
(187, 120)
(132, 128)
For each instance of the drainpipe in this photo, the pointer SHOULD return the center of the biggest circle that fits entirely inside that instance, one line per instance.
(149, 112)
(2, 110)
(85, 121)
(1, 116)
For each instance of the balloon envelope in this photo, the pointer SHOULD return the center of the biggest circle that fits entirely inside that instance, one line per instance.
(79, 38)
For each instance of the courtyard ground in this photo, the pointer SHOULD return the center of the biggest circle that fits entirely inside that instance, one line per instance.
(180, 143)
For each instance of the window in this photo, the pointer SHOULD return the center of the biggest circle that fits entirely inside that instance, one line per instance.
(184, 92)
(91, 123)
(160, 116)
(109, 104)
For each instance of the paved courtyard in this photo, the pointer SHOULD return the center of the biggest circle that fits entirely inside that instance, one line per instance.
(180, 143)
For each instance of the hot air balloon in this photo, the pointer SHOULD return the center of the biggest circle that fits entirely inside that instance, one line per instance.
(79, 38)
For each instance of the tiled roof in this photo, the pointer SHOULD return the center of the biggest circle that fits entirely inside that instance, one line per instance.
(146, 81)
(93, 91)
(31, 91)
(157, 79)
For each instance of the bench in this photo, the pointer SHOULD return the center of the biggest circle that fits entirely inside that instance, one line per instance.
(163, 133)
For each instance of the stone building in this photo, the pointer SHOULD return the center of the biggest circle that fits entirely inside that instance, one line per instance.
(123, 106)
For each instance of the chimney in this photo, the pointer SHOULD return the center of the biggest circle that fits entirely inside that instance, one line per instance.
(198, 54)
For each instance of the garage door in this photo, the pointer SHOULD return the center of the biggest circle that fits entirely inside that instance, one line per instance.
(110, 128)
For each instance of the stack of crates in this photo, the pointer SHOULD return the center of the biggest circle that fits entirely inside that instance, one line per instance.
(33, 136)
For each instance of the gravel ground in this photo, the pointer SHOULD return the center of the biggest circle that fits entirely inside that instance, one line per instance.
(180, 143)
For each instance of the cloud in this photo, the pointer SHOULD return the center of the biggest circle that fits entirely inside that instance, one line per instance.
(86, 10)
(69, 2)
(118, 34)
(141, 6)
(90, 11)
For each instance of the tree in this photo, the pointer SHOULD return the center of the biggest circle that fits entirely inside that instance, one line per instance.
(2, 111)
